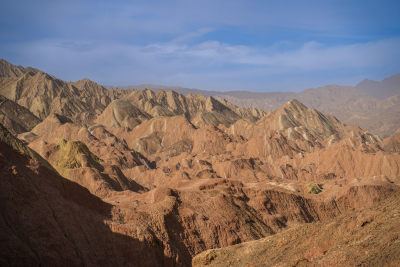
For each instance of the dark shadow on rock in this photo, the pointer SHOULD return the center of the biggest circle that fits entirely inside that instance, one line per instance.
(46, 220)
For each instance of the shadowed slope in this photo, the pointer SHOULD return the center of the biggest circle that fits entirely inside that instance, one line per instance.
(48, 220)
(16, 118)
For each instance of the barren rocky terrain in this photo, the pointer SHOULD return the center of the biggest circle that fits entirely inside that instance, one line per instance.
(98, 177)
(370, 104)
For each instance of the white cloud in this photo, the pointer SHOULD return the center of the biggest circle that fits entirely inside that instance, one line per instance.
(193, 35)
(309, 56)
(209, 64)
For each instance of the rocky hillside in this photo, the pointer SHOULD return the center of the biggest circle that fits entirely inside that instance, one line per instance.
(349, 104)
(196, 108)
(8, 70)
(187, 201)
(196, 188)
(157, 178)
(15, 117)
(47, 220)
(84, 100)
(44, 94)
(372, 105)
(369, 238)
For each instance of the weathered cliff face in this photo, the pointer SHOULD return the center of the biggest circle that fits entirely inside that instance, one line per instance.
(369, 237)
(16, 118)
(196, 108)
(44, 94)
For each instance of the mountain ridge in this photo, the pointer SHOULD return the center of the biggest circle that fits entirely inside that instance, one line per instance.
(369, 108)
(383, 89)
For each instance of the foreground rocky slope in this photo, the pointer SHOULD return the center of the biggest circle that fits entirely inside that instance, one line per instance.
(173, 223)
(47, 220)
(367, 238)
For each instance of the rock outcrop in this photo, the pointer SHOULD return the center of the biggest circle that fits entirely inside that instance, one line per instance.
(370, 237)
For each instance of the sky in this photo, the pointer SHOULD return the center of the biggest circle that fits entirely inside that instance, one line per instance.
(208, 44)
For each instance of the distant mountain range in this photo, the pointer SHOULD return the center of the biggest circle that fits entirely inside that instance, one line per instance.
(386, 88)
(370, 104)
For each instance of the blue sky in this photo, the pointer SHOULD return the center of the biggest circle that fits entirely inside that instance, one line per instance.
(215, 45)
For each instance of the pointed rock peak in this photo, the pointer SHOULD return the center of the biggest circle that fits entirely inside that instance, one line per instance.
(296, 115)
(69, 156)
(196, 97)
(212, 104)
(172, 93)
(121, 113)
(161, 95)
(86, 84)
(295, 105)
(148, 93)
(85, 80)
(161, 92)
(213, 100)
(366, 82)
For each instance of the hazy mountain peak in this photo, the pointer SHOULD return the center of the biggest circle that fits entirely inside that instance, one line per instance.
(388, 87)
